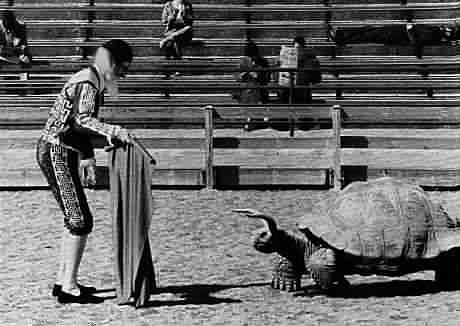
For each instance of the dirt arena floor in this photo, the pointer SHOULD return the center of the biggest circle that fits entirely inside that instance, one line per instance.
(208, 273)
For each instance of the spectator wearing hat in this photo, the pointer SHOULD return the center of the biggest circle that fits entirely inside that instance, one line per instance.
(65, 154)
(13, 40)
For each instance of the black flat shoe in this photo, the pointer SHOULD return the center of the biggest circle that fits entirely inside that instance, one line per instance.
(83, 298)
(57, 288)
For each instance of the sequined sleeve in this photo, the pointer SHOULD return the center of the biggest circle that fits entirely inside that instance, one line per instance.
(86, 115)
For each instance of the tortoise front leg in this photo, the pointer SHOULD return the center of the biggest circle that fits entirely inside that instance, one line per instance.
(286, 276)
(289, 266)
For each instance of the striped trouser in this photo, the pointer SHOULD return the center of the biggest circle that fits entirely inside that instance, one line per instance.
(60, 168)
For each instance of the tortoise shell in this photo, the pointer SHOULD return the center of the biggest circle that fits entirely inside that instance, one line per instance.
(383, 219)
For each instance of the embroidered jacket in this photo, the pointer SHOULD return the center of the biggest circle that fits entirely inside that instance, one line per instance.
(72, 120)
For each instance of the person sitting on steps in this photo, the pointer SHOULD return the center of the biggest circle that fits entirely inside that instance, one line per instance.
(13, 40)
(252, 59)
(307, 59)
(177, 17)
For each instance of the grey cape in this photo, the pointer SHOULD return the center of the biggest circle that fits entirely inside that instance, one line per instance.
(131, 204)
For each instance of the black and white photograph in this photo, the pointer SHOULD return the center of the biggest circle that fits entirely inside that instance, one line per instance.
(230, 162)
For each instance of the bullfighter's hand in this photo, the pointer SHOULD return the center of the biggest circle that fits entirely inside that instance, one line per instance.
(88, 172)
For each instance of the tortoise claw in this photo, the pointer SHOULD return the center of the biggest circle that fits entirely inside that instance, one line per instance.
(289, 285)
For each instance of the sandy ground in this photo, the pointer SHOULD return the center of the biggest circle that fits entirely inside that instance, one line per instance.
(208, 272)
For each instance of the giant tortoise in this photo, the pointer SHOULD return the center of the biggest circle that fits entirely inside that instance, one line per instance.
(382, 227)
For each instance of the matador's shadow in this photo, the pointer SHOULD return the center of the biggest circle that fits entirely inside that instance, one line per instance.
(382, 289)
(197, 294)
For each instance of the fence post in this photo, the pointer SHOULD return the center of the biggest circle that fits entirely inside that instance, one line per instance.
(209, 148)
(336, 113)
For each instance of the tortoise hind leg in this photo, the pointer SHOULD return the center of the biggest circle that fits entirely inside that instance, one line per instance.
(324, 271)
(286, 276)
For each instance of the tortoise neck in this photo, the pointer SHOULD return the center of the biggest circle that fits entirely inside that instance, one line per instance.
(294, 248)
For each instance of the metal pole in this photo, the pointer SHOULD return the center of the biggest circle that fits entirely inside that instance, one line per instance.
(209, 149)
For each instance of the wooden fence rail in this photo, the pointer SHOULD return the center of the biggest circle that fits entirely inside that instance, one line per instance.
(212, 156)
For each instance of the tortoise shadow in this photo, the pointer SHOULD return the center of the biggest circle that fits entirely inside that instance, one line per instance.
(201, 294)
(382, 289)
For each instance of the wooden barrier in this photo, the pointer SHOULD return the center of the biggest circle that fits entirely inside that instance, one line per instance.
(428, 154)
(217, 152)
(204, 157)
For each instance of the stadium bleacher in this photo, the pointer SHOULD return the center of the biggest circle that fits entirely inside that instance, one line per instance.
(392, 102)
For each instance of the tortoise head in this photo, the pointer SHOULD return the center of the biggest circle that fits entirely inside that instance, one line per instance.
(293, 247)
(265, 238)
(264, 241)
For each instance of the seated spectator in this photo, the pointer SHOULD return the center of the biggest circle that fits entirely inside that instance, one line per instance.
(13, 40)
(306, 59)
(409, 34)
(252, 59)
(178, 19)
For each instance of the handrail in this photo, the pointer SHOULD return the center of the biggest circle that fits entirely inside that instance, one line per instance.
(234, 25)
(337, 66)
(243, 8)
(236, 115)
(127, 100)
(421, 68)
(149, 41)
(409, 84)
